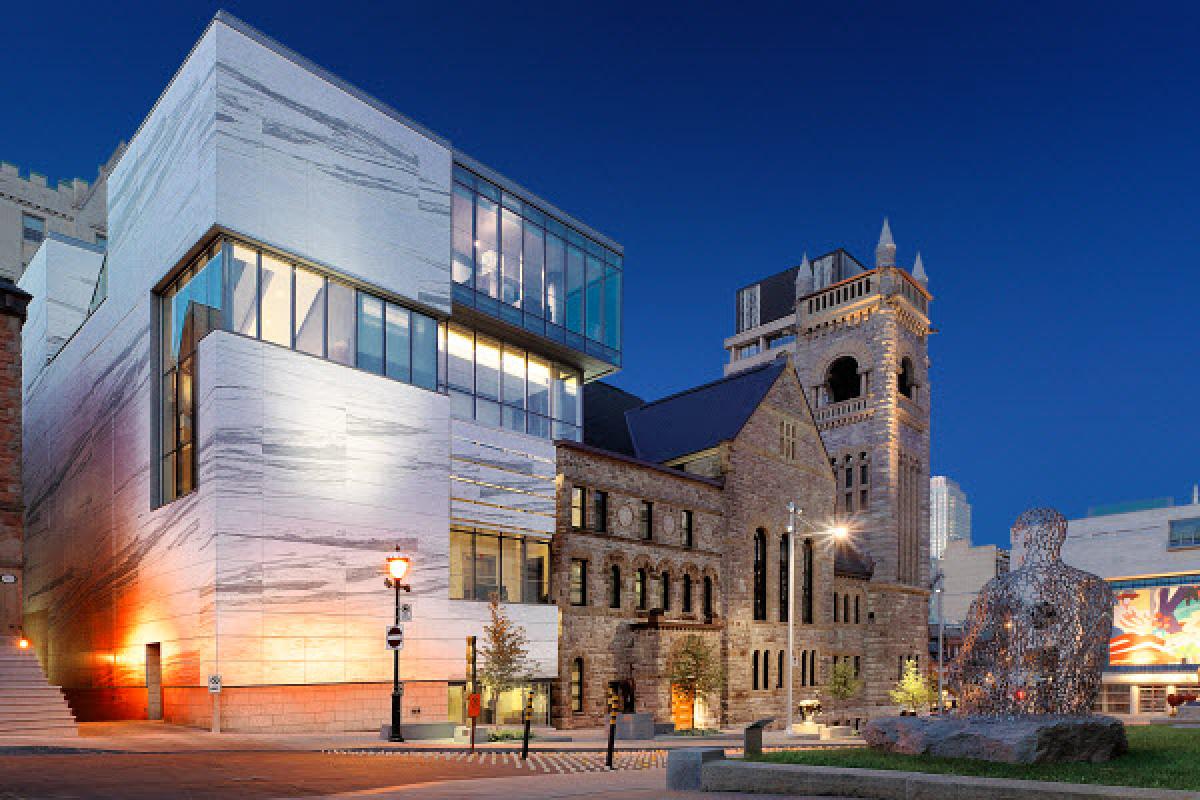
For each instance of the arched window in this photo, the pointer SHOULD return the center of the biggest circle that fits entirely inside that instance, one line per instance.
(783, 578)
(906, 378)
(835, 606)
(614, 587)
(766, 674)
(639, 588)
(843, 380)
(808, 582)
(665, 584)
(708, 598)
(760, 574)
(687, 594)
(754, 668)
(856, 618)
(779, 671)
(577, 685)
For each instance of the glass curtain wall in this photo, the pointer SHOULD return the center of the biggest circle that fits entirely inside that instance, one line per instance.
(515, 262)
(243, 289)
(516, 569)
(503, 386)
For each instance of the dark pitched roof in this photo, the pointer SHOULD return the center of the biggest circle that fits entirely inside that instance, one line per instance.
(604, 407)
(701, 417)
(850, 562)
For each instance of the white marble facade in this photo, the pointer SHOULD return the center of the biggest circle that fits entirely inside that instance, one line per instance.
(271, 572)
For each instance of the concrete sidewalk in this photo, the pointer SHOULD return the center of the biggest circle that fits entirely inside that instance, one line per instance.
(640, 785)
(140, 736)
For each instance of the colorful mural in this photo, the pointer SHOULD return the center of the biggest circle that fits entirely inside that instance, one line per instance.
(1156, 626)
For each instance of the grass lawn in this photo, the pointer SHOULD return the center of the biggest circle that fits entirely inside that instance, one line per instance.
(1159, 757)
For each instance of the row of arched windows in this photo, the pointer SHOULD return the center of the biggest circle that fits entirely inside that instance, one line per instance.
(663, 594)
(760, 668)
(759, 584)
(846, 610)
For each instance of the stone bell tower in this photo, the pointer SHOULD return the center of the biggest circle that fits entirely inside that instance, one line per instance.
(862, 353)
(860, 337)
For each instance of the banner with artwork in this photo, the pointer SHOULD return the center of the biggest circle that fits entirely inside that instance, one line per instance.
(1156, 626)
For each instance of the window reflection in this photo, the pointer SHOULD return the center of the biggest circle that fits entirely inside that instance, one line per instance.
(310, 312)
(500, 385)
(515, 569)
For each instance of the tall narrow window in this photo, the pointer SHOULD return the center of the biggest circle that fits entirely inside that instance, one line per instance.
(600, 511)
(664, 583)
(340, 322)
(614, 586)
(578, 504)
(370, 333)
(779, 671)
(835, 606)
(310, 312)
(487, 256)
(856, 618)
(462, 221)
(783, 578)
(708, 599)
(766, 672)
(398, 342)
(276, 301)
(804, 668)
(807, 599)
(577, 685)
(754, 669)
(685, 524)
(646, 519)
(760, 575)
(846, 608)
(639, 588)
(578, 582)
(687, 594)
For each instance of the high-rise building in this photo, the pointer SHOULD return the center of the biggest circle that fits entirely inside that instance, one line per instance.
(949, 514)
(860, 338)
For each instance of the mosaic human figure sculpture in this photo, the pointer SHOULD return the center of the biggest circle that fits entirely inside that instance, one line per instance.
(1036, 638)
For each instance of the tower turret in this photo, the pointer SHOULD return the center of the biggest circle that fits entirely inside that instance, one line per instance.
(804, 278)
(885, 251)
(918, 271)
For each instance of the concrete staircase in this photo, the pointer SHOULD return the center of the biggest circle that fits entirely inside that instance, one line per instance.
(29, 705)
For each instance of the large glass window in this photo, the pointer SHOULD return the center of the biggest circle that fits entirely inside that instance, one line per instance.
(546, 276)
(370, 333)
(276, 303)
(341, 323)
(1185, 532)
(500, 385)
(515, 569)
(310, 312)
(237, 287)
(33, 229)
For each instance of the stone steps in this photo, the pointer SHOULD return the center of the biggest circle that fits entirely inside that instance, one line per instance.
(29, 704)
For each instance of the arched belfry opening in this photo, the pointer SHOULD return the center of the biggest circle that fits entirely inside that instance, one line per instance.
(906, 378)
(843, 380)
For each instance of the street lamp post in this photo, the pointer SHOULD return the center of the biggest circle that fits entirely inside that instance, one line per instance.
(838, 532)
(793, 510)
(397, 568)
(938, 582)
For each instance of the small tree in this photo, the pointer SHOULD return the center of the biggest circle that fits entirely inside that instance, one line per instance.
(694, 668)
(913, 690)
(505, 652)
(842, 683)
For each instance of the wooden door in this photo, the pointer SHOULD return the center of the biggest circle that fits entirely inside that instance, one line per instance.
(681, 707)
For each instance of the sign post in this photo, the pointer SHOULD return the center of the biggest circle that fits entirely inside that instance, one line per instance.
(214, 688)
(473, 699)
(613, 705)
(528, 723)
(397, 568)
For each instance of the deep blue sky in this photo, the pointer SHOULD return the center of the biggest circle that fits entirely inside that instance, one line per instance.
(1043, 159)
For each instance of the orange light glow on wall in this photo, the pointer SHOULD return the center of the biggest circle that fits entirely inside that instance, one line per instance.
(23, 643)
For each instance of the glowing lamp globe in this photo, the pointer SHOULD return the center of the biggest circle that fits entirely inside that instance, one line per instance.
(397, 567)
(23, 643)
(840, 532)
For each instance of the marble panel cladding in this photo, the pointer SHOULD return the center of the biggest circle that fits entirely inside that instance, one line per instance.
(250, 140)
(501, 480)
(64, 274)
(306, 166)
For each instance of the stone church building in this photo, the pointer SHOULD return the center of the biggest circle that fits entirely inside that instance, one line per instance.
(672, 521)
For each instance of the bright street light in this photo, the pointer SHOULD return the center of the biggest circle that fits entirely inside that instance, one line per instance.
(397, 566)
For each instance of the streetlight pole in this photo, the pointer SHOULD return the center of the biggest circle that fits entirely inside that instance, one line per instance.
(793, 510)
(397, 567)
(938, 583)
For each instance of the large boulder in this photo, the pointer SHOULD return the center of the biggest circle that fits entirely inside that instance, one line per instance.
(1017, 740)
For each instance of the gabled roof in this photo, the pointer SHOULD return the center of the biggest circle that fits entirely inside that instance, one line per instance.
(604, 407)
(702, 417)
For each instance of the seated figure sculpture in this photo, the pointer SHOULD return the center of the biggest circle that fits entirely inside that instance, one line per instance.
(1036, 639)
